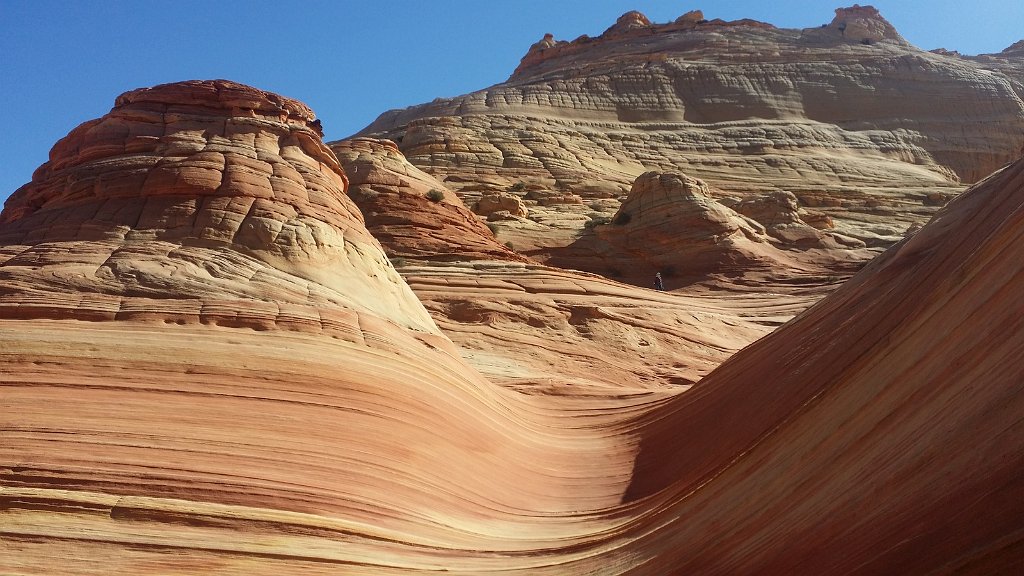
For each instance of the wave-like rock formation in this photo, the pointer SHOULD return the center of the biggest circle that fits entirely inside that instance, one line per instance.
(849, 109)
(184, 392)
(544, 330)
(410, 212)
(208, 365)
(878, 433)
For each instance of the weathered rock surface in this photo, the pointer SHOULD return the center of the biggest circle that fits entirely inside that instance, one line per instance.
(208, 365)
(864, 24)
(408, 211)
(671, 223)
(491, 203)
(210, 191)
(849, 110)
(859, 434)
(780, 214)
(543, 330)
(183, 392)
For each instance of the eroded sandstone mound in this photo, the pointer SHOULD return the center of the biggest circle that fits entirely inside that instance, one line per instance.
(410, 212)
(784, 221)
(208, 365)
(671, 223)
(216, 193)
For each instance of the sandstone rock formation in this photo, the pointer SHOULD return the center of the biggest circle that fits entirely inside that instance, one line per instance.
(877, 433)
(206, 190)
(864, 24)
(672, 223)
(780, 214)
(849, 111)
(208, 365)
(543, 330)
(408, 211)
(491, 203)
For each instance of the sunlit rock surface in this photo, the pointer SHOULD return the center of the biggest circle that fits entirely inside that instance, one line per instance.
(208, 365)
(848, 112)
(408, 211)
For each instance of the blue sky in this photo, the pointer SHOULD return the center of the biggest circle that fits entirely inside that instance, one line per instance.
(62, 63)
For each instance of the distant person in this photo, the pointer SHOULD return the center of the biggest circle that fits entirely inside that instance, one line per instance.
(658, 284)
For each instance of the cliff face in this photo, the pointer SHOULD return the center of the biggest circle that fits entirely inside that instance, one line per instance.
(849, 109)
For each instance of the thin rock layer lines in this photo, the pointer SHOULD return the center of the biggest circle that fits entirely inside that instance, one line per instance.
(207, 364)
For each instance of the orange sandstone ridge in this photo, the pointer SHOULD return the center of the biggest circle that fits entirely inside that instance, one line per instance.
(209, 365)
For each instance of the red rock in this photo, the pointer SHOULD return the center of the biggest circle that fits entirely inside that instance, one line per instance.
(671, 223)
(854, 438)
(396, 200)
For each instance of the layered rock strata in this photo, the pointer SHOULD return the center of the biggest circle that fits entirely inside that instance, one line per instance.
(855, 438)
(411, 213)
(208, 365)
(217, 193)
(849, 110)
(783, 220)
(671, 223)
(544, 330)
(196, 411)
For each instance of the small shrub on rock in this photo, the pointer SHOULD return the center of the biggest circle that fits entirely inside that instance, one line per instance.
(435, 195)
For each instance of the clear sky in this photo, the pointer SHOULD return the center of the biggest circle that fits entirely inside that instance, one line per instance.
(62, 63)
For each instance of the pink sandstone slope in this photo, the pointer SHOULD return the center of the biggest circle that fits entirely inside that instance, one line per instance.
(223, 399)
(878, 433)
(410, 212)
(208, 365)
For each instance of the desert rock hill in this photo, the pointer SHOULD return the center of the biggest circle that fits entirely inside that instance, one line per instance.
(208, 191)
(209, 365)
(848, 116)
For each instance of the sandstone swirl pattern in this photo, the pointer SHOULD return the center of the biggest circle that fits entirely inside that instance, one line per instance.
(208, 365)
(190, 387)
